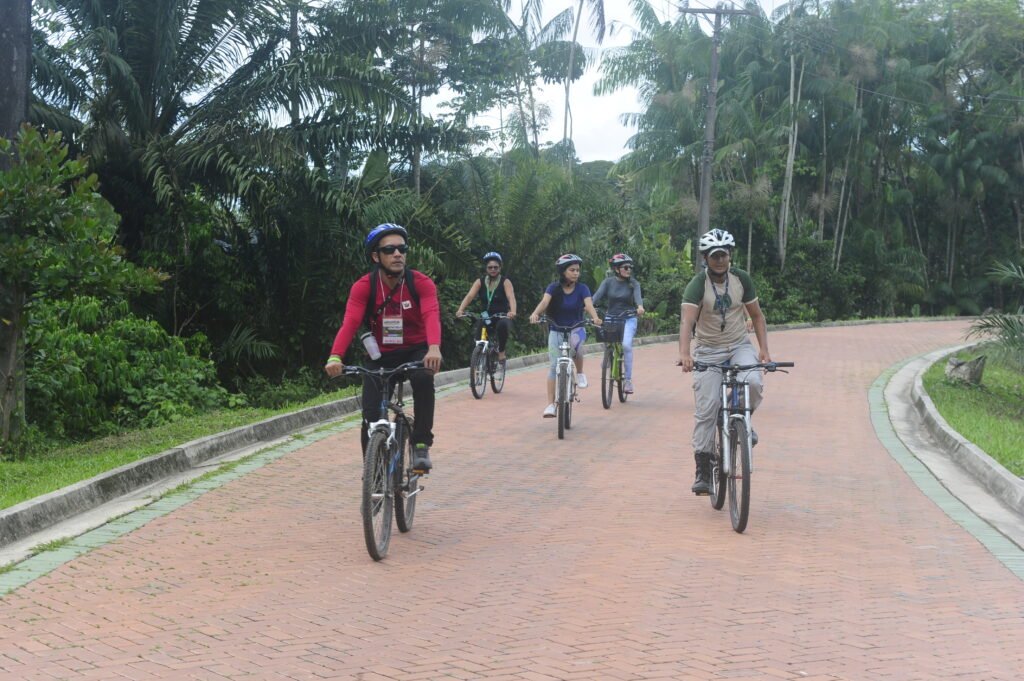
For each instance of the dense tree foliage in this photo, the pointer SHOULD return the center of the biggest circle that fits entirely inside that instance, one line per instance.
(869, 157)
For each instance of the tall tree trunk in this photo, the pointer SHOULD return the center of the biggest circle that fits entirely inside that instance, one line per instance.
(750, 243)
(1020, 224)
(417, 98)
(568, 80)
(951, 240)
(293, 40)
(15, 65)
(823, 186)
(844, 215)
(534, 125)
(795, 86)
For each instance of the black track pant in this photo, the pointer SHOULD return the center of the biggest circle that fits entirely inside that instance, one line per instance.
(422, 393)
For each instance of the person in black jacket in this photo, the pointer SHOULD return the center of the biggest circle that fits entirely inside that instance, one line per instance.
(497, 296)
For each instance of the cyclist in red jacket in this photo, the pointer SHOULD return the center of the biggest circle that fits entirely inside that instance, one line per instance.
(401, 309)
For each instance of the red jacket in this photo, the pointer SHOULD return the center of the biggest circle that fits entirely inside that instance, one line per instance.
(421, 323)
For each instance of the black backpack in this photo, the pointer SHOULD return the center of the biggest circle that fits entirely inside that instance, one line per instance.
(410, 284)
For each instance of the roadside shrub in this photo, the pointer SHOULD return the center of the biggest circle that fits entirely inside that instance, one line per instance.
(308, 383)
(94, 368)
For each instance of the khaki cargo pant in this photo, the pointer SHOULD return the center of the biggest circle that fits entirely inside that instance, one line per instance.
(707, 388)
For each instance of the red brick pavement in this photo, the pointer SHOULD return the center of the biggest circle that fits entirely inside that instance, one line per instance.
(534, 559)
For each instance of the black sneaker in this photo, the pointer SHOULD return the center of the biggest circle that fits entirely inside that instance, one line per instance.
(421, 459)
(700, 486)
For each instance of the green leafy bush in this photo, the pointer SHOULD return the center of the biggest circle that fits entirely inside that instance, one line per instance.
(94, 368)
(265, 393)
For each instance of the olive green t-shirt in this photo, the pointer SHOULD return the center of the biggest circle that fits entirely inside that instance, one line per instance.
(713, 329)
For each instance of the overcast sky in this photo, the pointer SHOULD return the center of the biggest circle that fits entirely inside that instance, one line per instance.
(598, 132)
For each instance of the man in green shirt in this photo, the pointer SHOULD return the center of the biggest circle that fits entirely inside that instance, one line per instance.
(713, 306)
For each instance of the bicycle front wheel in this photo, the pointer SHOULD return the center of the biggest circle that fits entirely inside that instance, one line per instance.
(377, 505)
(497, 374)
(618, 373)
(569, 400)
(606, 377)
(478, 373)
(406, 483)
(739, 475)
(561, 401)
(718, 481)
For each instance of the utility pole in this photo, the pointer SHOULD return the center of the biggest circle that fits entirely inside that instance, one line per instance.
(704, 217)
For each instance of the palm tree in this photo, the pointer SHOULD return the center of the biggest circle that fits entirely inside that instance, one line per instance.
(598, 24)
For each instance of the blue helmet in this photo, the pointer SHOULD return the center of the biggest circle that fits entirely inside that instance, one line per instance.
(381, 231)
(492, 255)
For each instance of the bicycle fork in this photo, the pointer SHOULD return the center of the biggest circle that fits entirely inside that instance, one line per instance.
(394, 456)
(737, 410)
(565, 366)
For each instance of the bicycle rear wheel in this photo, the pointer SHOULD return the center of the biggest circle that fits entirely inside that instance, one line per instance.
(478, 373)
(497, 373)
(606, 377)
(406, 483)
(739, 475)
(718, 481)
(618, 373)
(377, 506)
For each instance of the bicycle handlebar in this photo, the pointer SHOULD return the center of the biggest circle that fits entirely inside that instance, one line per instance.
(474, 315)
(382, 373)
(767, 366)
(556, 327)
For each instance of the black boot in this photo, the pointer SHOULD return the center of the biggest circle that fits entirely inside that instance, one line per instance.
(702, 483)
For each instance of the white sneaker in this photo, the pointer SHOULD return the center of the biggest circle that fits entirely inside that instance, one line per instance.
(581, 381)
(550, 411)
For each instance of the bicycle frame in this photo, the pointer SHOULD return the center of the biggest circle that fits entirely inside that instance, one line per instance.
(733, 408)
(565, 364)
(391, 409)
(617, 350)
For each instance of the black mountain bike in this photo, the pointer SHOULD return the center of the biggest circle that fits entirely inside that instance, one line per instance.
(390, 485)
(732, 463)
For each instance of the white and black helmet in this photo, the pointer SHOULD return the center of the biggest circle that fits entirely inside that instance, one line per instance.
(566, 260)
(716, 239)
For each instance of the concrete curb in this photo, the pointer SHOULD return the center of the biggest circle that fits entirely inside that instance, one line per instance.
(998, 481)
(35, 515)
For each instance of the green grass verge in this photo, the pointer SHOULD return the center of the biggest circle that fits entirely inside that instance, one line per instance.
(26, 479)
(990, 415)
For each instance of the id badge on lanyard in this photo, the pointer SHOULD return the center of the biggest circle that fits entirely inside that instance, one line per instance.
(391, 329)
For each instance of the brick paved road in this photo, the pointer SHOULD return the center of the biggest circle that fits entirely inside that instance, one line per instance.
(537, 559)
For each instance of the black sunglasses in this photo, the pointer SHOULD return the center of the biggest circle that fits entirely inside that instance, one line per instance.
(390, 250)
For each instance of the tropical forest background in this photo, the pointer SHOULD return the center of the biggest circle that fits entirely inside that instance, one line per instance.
(184, 211)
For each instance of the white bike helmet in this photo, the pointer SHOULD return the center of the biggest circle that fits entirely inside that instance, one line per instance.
(716, 240)
(568, 259)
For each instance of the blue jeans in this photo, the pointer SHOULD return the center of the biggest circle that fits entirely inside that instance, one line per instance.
(628, 331)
